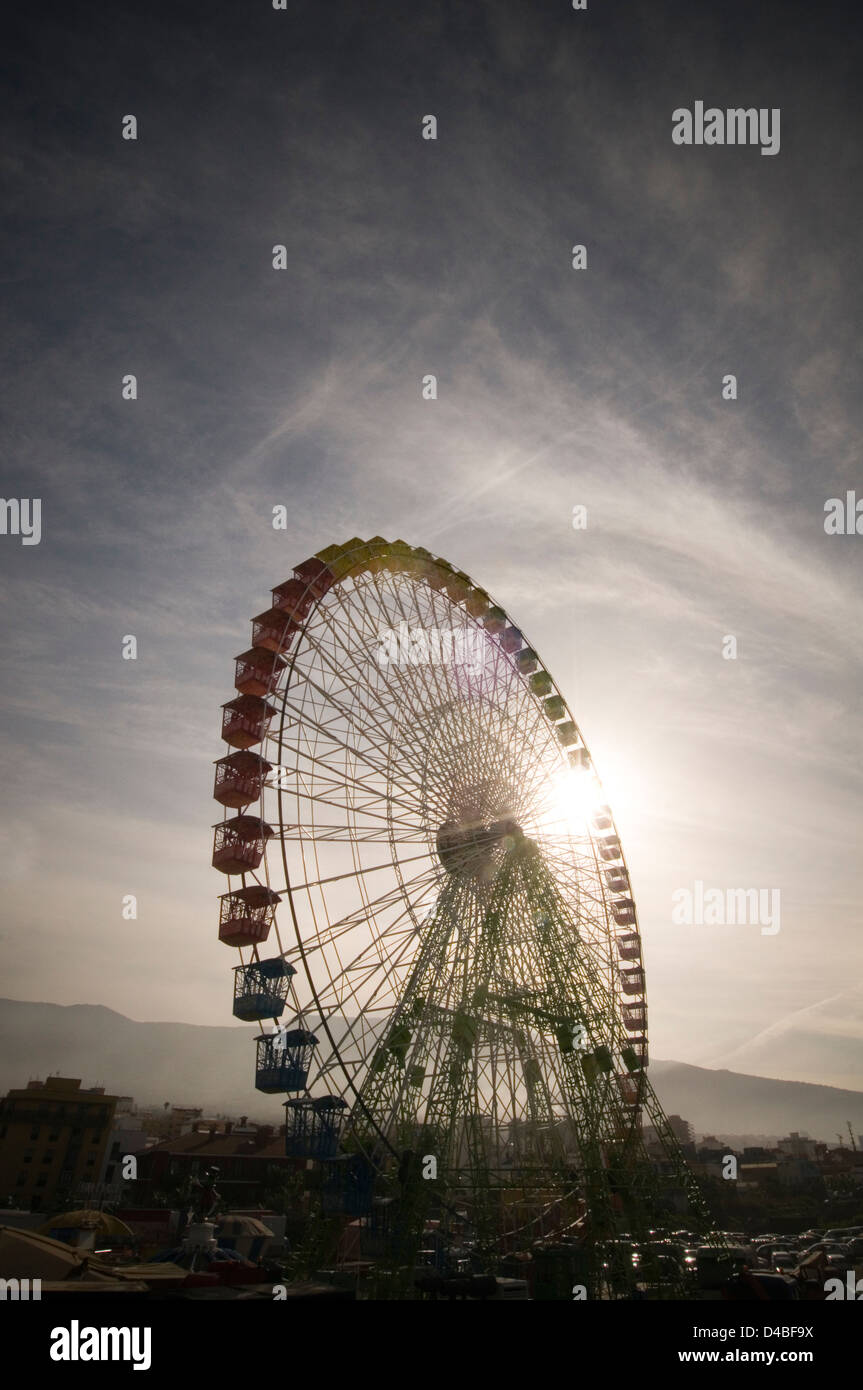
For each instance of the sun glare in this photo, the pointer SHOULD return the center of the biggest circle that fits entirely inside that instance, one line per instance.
(575, 796)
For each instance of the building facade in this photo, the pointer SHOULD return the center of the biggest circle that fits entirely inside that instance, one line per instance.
(249, 1160)
(53, 1141)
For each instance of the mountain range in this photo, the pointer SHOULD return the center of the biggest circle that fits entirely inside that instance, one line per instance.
(212, 1067)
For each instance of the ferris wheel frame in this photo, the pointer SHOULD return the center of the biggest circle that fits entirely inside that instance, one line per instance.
(283, 630)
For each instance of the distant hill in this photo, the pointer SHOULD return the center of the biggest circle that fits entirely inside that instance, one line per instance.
(731, 1103)
(183, 1063)
(212, 1067)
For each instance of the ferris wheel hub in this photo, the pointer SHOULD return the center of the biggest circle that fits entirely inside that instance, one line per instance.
(467, 846)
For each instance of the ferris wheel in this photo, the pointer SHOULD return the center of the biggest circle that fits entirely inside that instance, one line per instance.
(429, 895)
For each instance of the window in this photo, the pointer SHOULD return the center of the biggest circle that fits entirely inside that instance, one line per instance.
(22, 1179)
(90, 1162)
(54, 1136)
(34, 1132)
(28, 1158)
(96, 1137)
(48, 1156)
(42, 1181)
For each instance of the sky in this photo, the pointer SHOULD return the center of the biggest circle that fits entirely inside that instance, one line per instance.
(600, 387)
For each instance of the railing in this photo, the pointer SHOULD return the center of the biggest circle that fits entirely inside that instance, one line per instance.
(244, 723)
(247, 850)
(237, 783)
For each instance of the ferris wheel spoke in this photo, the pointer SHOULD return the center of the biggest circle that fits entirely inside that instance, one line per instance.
(368, 913)
(346, 835)
(340, 712)
(384, 983)
(432, 912)
(354, 809)
(353, 874)
(445, 692)
(360, 672)
(335, 743)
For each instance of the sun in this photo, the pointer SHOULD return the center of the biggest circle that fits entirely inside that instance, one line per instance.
(575, 796)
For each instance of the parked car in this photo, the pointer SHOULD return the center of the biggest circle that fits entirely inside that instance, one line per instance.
(840, 1263)
(715, 1266)
(760, 1283)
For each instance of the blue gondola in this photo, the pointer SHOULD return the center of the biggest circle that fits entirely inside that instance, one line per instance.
(312, 1127)
(348, 1185)
(261, 989)
(283, 1061)
(376, 1228)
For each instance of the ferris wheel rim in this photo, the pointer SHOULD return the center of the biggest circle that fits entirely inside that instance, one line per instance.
(351, 562)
